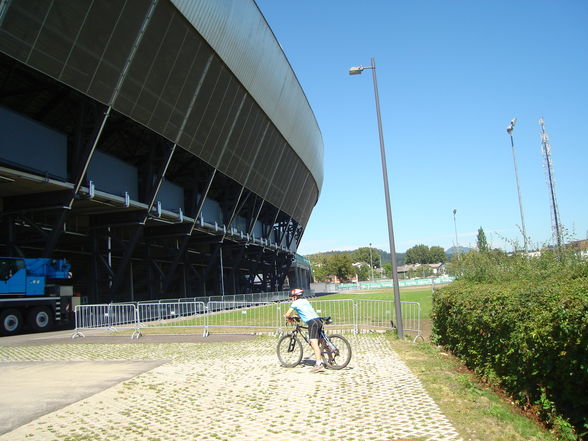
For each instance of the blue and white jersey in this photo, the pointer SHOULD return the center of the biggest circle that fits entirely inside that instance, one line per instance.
(304, 309)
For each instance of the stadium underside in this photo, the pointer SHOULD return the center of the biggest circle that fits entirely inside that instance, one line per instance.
(129, 147)
(126, 247)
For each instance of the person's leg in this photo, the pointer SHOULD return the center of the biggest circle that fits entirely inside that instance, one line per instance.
(314, 329)
(317, 350)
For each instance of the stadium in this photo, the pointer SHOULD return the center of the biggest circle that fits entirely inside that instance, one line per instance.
(165, 148)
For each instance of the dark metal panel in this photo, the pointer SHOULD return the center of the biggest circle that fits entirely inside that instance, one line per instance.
(20, 138)
(171, 196)
(116, 51)
(21, 26)
(113, 175)
(238, 32)
(82, 43)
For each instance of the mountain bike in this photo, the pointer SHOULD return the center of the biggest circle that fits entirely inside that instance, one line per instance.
(335, 349)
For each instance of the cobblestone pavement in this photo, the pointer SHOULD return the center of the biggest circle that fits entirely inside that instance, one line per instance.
(238, 391)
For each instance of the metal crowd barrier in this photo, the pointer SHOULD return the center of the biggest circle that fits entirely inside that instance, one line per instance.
(381, 314)
(230, 316)
(275, 296)
(114, 317)
(341, 311)
(172, 315)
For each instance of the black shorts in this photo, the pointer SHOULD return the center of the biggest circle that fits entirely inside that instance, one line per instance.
(314, 328)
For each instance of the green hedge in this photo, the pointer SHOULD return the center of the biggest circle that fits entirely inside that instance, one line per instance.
(531, 337)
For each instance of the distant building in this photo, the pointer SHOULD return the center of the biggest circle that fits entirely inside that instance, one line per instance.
(438, 268)
(579, 245)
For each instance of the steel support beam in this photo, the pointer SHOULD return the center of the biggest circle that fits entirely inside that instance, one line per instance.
(138, 230)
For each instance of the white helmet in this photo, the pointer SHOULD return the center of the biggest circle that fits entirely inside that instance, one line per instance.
(298, 292)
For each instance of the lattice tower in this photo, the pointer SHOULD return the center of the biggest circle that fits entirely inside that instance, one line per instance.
(548, 165)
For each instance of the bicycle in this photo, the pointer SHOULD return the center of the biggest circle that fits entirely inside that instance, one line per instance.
(335, 349)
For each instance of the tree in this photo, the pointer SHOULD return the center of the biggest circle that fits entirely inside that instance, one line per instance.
(363, 272)
(418, 254)
(340, 265)
(437, 255)
(482, 243)
(318, 263)
(363, 255)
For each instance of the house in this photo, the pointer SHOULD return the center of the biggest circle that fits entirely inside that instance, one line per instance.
(438, 268)
(581, 246)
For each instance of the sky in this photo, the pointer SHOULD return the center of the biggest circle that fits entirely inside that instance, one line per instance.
(451, 75)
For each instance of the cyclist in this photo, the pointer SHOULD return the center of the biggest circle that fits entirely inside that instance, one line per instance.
(309, 316)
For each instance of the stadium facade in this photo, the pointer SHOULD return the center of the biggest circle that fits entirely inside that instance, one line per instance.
(164, 147)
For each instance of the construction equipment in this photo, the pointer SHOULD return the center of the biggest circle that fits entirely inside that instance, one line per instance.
(34, 293)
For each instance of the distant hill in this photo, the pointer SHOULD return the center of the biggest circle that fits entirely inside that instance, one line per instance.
(454, 250)
(387, 257)
(384, 255)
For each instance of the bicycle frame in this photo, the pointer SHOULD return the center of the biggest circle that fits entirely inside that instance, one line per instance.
(322, 337)
(335, 350)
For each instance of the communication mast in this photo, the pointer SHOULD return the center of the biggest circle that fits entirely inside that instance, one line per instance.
(546, 150)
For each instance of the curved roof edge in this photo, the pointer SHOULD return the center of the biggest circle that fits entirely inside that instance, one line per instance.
(240, 35)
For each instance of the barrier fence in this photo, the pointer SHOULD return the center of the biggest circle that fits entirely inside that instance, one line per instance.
(275, 296)
(241, 316)
(113, 317)
(171, 314)
(381, 284)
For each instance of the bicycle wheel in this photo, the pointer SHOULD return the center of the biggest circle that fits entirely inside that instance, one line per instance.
(289, 351)
(336, 352)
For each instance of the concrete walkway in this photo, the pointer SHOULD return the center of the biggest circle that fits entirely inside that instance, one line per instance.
(221, 391)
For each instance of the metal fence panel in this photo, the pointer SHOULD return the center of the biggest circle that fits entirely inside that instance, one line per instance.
(375, 314)
(381, 314)
(180, 314)
(411, 317)
(227, 316)
(243, 314)
(114, 316)
(342, 312)
(263, 297)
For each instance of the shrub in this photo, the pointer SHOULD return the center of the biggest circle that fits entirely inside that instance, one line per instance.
(523, 323)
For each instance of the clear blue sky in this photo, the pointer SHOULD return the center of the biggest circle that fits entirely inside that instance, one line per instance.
(451, 76)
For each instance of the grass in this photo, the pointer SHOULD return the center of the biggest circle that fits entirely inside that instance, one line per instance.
(476, 411)
(424, 296)
(262, 318)
(420, 295)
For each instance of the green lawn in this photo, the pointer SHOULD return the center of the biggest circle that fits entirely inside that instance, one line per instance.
(420, 295)
(343, 313)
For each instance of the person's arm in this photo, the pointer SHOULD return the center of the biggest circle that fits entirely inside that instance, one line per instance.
(289, 313)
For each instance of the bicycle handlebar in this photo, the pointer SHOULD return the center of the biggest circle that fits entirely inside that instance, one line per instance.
(326, 320)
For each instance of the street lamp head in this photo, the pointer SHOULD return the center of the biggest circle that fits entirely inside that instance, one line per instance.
(356, 70)
(510, 127)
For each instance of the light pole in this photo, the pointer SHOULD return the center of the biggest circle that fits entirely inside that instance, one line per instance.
(455, 226)
(509, 130)
(371, 262)
(356, 71)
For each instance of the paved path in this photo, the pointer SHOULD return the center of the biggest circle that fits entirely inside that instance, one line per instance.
(232, 391)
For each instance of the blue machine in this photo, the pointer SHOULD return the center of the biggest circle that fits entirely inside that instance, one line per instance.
(33, 288)
(28, 276)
